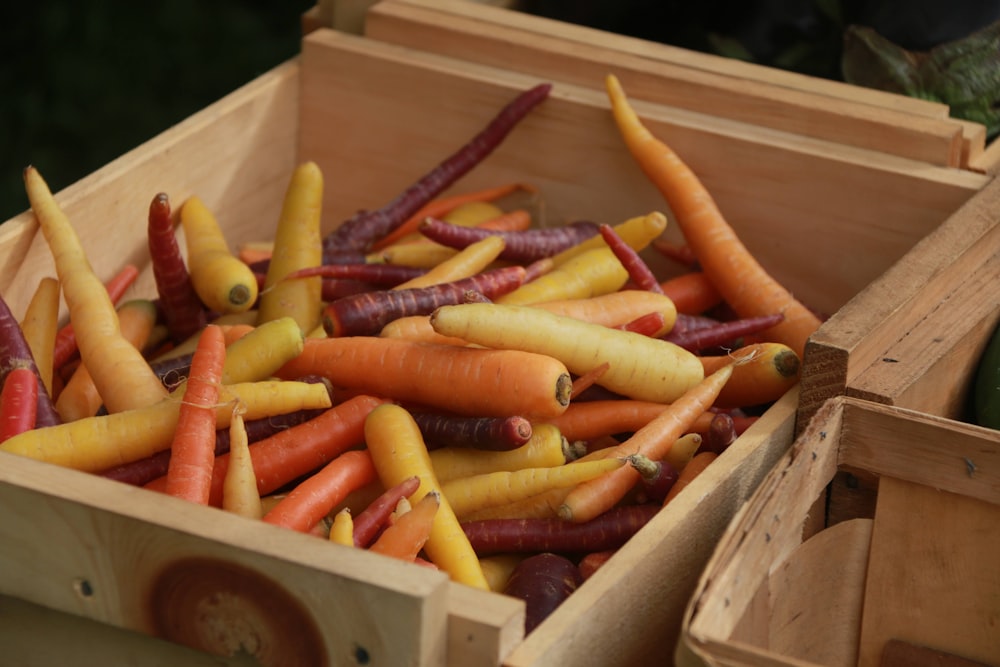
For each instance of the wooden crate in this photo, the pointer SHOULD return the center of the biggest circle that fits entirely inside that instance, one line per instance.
(916, 579)
(375, 115)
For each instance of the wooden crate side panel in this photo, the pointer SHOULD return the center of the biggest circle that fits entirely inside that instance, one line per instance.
(781, 194)
(236, 154)
(206, 578)
(857, 336)
(937, 141)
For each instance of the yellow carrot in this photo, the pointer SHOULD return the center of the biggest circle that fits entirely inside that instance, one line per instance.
(640, 367)
(469, 494)
(297, 245)
(40, 325)
(398, 452)
(342, 530)
(416, 328)
(239, 489)
(80, 397)
(545, 448)
(590, 273)
(466, 262)
(424, 254)
(683, 450)
(223, 282)
(98, 443)
(123, 377)
(637, 232)
(616, 308)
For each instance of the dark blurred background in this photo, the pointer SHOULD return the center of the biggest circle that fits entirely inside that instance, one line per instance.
(83, 82)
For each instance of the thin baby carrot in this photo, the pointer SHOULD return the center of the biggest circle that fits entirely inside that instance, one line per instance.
(744, 284)
(122, 375)
(375, 514)
(546, 448)
(18, 402)
(192, 451)
(695, 467)
(314, 497)
(39, 327)
(653, 441)
(442, 206)
(297, 244)
(586, 380)
(342, 529)
(463, 380)
(638, 271)
(469, 261)
(239, 489)
(399, 452)
(183, 311)
(521, 246)
(692, 292)
(406, 536)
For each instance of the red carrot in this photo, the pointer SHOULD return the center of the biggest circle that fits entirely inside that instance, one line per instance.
(608, 530)
(189, 473)
(490, 433)
(657, 477)
(373, 518)
(649, 324)
(357, 234)
(721, 433)
(18, 402)
(65, 345)
(678, 252)
(388, 275)
(696, 337)
(318, 494)
(15, 352)
(593, 561)
(520, 246)
(638, 271)
(183, 311)
(366, 314)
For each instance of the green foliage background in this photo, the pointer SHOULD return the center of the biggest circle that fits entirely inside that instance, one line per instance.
(84, 82)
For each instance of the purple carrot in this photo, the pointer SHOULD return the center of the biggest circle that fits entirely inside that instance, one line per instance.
(526, 245)
(609, 530)
(183, 311)
(388, 275)
(14, 352)
(475, 296)
(544, 581)
(338, 288)
(656, 478)
(728, 333)
(492, 433)
(356, 234)
(721, 433)
(173, 370)
(366, 314)
(638, 271)
(373, 518)
(143, 471)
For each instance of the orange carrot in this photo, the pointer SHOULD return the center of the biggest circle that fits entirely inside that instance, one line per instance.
(767, 372)
(442, 206)
(313, 498)
(744, 284)
(692, 292)
(588, 379)
(192, 456)
(653, 441)
(405, 537)
(465, 380)
(695, 467)
(375, 515)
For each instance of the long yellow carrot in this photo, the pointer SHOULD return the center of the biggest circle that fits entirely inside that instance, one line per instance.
(593, 272)
(545, 448)
(637, 232)
(121, 374)
(40, 325)
(297, 245)
(466, 262)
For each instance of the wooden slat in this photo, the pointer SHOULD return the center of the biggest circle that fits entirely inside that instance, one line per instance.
(862, 333)
(937, 141)
(104, 550)
(947, 595)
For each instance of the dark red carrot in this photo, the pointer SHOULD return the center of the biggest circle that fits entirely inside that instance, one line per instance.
(357, 234)
(543, 581)
(366, 314)
(592, 562)
(183, 312)
(728, 333)
(375, 515)
(680, 253)
(18, 402)
(721, 433)
(638, 271)
(538, 268)
(15, 352)
(338, 288)
(388, 275)
(526, 246)
(609, 530)
(649, 324)
(65, 344)
(491, 433)
(656, 478)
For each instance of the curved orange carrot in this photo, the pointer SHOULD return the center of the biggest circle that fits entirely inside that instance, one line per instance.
(694, 467)
(692, 292)
(314, 497)
(465, 380)
(766, 372)
(404, 538)
(653, 441)
(587, 420)
(739, 277)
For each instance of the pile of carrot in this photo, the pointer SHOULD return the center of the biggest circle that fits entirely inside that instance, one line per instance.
(436, 381)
